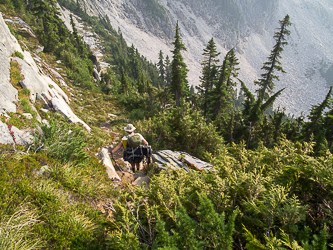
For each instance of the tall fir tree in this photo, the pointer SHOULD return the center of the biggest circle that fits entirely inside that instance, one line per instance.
(124, 83)
(317, 126)
(224, 91)
(53, 30)
(273, 64)
(179, 85)
(167, 64)
(161, 66)
(209, 73)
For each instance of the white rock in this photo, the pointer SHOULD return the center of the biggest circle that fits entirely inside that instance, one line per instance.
(46, 122)
(36, 82)
(22, 137)
(27, 115)
(43, 170)
(5, 136)
(8, 45)
(44, 110)
(39, 49)
(62, 107)
(112, 115)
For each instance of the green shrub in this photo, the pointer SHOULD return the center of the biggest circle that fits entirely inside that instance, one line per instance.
(15, 74)
(17, 54)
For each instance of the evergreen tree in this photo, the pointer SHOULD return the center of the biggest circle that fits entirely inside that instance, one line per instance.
(209, 73)
(273, 64)
(141, 84)
(53, 30)
(124, 83)
(79, 43)
(179, 86)
(317, 124)
(224, 92)
(161, 66)
(167, 71)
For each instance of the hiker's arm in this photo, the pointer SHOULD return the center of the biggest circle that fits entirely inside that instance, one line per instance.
(145, 142)
(117, 148)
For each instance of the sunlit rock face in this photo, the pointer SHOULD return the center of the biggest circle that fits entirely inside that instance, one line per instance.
(40, 84)
(8, 45)
(248, 26)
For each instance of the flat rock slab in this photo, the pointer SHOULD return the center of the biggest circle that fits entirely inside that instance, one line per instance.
(179, 160)
(140, 180)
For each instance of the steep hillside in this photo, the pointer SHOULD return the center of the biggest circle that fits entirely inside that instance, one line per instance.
(246, 25)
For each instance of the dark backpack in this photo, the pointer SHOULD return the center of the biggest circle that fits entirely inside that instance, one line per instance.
(134, 141)
(137, 154)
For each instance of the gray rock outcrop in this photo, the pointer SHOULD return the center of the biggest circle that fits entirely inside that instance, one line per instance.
(36, 79)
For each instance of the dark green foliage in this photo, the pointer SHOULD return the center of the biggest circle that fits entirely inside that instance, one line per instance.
(161, 66)
(277, 195)
(181, 129)
(266, 84)
(209, 74)
(62, 141)
(179, 86)
(223, 94)
(167, 71)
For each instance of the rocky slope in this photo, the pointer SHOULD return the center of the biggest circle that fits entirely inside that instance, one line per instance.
(44, 83)
(246, 25)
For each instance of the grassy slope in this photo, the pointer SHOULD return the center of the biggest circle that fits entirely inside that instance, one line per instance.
(63, 208)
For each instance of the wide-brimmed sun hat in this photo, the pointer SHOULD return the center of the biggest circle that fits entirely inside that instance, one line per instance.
(129, 128)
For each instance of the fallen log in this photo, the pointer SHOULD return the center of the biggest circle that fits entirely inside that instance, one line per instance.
(104, 154)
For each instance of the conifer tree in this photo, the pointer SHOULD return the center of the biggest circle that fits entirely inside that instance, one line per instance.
(124, 83)
(167, 71)
(141, 84)
(224, 91)
(53, 31)
(209, 73)
(79, 43)
(179, 85)
(161, 66)
(273, 64)
(318, 124)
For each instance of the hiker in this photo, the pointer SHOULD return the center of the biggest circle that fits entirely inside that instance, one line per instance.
(132, 140)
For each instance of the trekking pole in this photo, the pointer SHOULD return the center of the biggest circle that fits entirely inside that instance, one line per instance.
(115, 163)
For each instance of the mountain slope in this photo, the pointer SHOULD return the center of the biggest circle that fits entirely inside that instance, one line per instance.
(248, 26)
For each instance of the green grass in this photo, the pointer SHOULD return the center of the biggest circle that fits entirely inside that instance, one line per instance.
(60, 209)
